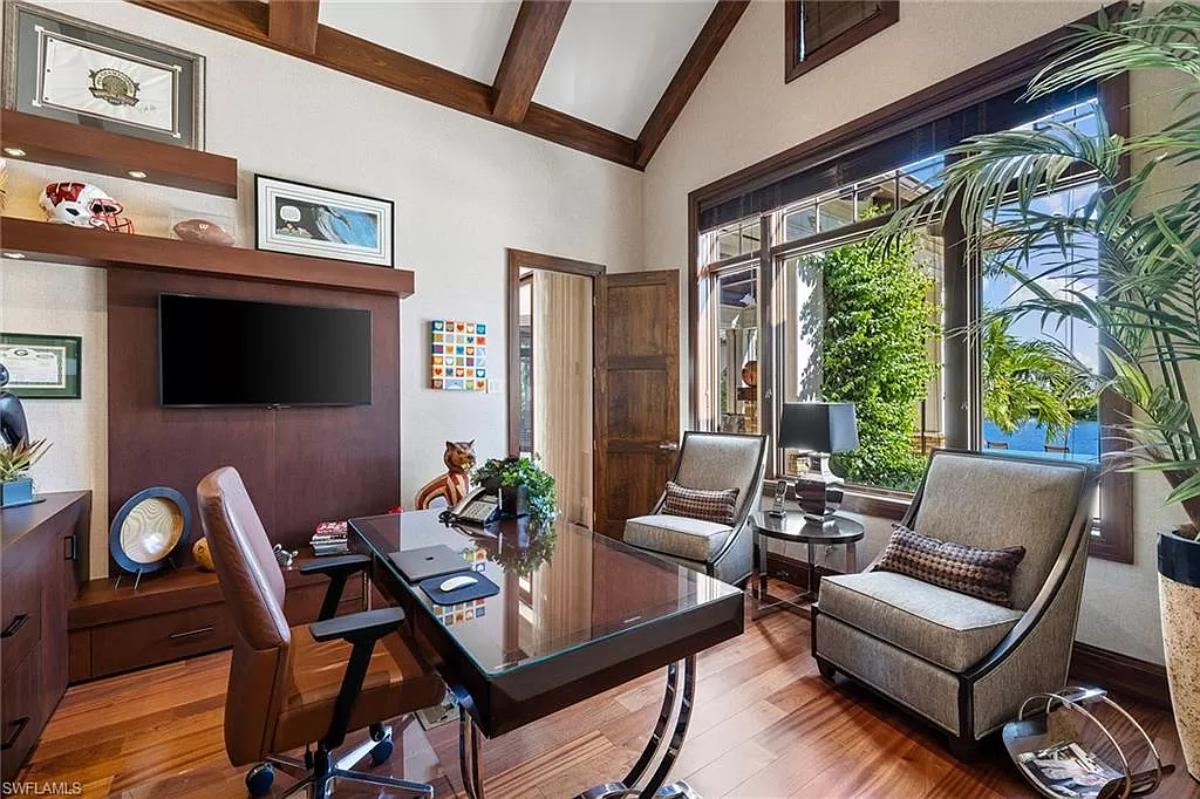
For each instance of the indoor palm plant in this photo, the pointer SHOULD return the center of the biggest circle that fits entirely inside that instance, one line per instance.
(1146, 222)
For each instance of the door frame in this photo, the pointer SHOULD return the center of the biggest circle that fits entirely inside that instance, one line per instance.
(551, 263)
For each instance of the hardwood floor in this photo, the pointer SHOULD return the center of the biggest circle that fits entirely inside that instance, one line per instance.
(765, 725)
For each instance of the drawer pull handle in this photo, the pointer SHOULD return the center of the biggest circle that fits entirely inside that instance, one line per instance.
(20, 725)
(191, 633)
(17, 623)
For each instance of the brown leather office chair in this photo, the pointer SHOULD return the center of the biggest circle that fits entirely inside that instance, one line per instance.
(309, 685)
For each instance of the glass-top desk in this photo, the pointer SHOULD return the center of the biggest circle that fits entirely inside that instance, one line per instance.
(577, 614)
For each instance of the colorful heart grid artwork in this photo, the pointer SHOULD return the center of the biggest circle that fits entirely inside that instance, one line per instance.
(458, 355)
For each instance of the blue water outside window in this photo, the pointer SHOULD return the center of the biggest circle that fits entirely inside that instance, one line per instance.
(1031, 367)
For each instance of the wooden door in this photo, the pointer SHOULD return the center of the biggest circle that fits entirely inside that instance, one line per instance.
(636, 393)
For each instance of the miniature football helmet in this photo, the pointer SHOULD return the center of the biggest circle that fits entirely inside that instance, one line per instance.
(84, 205)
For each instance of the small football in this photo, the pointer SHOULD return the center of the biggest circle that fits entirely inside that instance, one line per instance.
(203, 232)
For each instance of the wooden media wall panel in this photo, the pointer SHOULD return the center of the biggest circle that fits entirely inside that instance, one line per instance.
(300, 465)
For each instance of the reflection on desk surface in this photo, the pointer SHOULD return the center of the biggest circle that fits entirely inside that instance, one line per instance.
(561, 586)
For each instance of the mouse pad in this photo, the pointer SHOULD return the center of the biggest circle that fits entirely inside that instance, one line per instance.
(417, 564)
(483, 588)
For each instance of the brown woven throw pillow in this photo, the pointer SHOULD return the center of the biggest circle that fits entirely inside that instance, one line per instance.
(983, 573)
(711, 506)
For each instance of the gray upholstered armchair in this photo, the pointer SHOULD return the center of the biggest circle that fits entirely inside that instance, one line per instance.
(962, 663)
(713, 462)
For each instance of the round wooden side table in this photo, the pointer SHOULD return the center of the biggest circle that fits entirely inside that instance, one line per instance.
(795, 528)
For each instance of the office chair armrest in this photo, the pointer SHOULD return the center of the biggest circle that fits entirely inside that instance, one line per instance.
(338, 564)
(365, 627)
(362, 631)
(338, 569)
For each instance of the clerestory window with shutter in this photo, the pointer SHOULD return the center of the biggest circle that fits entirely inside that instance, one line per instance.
(818, 30)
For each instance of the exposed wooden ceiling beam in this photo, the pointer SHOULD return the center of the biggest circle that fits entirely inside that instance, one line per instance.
(708, 43)
(248, 19)
(529, 46)
(292, 24)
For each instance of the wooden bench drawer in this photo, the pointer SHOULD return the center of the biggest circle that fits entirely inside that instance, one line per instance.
(156, 639)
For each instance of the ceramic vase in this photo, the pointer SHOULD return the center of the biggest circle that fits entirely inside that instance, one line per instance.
(1179, 603)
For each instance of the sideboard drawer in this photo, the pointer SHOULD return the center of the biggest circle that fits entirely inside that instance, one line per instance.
(20, 612)
(156, 639)
(21, 712)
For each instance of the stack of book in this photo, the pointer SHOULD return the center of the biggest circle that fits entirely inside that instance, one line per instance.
(330, 539)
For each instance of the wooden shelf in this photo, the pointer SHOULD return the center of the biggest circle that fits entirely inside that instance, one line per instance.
(100, 248)
(101, 601)
(50, 141)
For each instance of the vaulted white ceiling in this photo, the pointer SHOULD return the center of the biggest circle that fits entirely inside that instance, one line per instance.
(613, 60)
(463, 37)
(609, 66)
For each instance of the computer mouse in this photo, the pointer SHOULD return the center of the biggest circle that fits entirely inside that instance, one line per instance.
(457, 582)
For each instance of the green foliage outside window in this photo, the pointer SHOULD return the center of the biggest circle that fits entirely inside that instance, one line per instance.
(878, 321)
(1032, 379)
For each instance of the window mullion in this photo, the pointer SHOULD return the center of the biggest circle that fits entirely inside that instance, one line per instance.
(769, 340)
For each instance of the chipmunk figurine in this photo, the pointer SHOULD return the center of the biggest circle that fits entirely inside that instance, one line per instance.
(456, 482)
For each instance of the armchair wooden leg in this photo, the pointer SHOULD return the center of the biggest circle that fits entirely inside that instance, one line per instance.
(964, 748)
(827, 669)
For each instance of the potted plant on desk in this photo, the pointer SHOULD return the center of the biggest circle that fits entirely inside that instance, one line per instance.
(525, 489)
(16, 486)
(1138, 280)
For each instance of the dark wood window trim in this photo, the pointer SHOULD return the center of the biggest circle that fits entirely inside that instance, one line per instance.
(993, 77)
(797, 63)
(1115, 539)
(535, 260)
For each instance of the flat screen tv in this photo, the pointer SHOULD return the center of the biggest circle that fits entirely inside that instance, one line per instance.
(215, 351)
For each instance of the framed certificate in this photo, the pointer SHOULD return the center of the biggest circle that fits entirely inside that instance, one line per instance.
(42, 367)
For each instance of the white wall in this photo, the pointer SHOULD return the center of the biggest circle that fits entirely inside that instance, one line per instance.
(55, 299)
(465, 189)
(743, 112)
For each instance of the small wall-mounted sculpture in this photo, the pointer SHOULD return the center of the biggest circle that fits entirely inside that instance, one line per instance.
(452, 486)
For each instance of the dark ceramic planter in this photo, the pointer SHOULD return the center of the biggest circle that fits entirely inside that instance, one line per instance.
(514, 501)
(1179, 603)
(16, 492)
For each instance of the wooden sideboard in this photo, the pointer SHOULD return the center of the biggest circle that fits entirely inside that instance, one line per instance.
(175, 615)
(42, 564)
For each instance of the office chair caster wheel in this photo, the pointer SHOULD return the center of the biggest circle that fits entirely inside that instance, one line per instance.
(259, 779)
(383, 748)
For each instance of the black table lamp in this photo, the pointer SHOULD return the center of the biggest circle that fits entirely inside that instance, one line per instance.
(820, 429)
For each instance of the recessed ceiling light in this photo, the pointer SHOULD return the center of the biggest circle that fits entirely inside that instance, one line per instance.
(137, 174)
(16, 256)
(15, 152)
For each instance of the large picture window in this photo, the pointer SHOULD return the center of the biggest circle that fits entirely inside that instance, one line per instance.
(799, 302)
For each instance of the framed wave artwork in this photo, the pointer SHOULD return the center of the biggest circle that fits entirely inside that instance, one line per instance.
(308, 220)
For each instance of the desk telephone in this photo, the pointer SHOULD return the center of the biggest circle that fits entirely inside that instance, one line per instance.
(480, 506)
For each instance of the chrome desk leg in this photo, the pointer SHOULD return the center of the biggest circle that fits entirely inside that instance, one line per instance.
(469, 757)
(681, 726)
(660, 727)
(629, 787)
(674, 706)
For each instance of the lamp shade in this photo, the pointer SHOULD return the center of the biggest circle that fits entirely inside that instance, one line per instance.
(825, 427)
